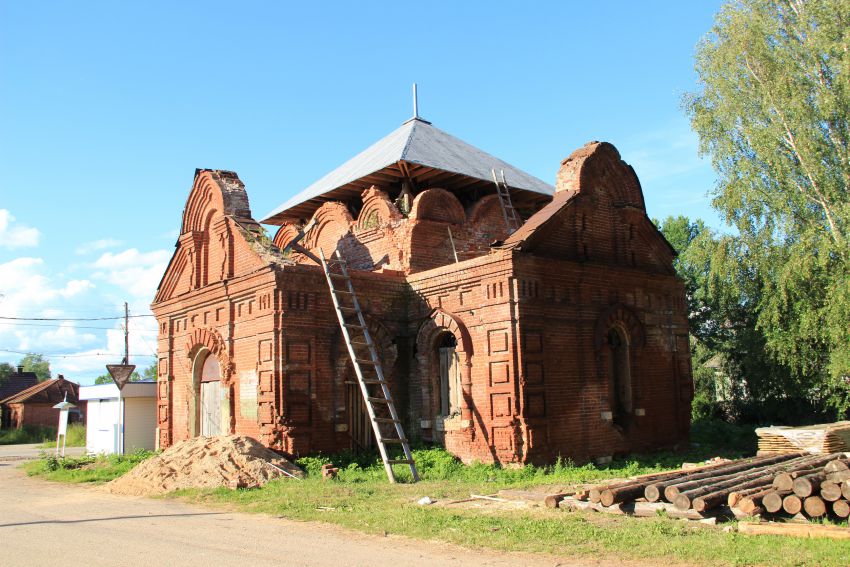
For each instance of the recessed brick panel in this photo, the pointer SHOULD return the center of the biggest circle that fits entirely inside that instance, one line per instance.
(535, 404)
(500, 372)
(297, 352)
(534, 373)
(299, 381)
(266, 381)
(497, 341)
(265, 350)
(501, 405)
(533, 342)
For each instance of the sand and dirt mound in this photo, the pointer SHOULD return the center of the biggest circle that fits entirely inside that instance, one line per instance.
(231, 461)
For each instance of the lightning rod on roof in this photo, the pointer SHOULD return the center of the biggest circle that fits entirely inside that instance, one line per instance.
(415, 102)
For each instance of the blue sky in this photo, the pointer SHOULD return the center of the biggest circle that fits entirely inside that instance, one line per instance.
(107, 108)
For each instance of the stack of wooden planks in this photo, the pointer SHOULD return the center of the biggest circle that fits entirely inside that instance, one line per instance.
(792, 483)
(820, 439)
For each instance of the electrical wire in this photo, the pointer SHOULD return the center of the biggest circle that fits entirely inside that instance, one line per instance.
(73, 318)
(15, 324)
(71, 355)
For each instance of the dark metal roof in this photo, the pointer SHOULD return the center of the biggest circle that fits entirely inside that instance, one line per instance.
(17, 382)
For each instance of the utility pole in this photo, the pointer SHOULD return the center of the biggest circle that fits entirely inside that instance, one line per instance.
(126, 334)
(121, 373)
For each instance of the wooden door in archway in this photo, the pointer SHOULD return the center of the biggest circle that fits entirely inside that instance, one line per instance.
(210, 398)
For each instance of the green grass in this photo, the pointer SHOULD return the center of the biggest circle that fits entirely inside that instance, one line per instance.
(361, 499)
(44, 435)
(94, 469)
(76, 437)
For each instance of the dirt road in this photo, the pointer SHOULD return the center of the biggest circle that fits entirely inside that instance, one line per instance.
(43, 523)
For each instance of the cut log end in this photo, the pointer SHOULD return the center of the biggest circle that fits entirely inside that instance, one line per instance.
(814, 506)
(773, 502)
(651, 493)
(830, 491)
(841, 508)
(783, 481)
(792, 504)
(682, 502)
(803, 487)
(554, 500)
(670, 493)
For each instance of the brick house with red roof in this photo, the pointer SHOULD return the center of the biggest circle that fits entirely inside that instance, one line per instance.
(34, 405)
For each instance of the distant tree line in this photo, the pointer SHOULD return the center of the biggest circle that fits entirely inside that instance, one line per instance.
(38, 364)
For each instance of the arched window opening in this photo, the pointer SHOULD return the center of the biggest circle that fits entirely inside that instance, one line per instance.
(620, 374)
(449, 378)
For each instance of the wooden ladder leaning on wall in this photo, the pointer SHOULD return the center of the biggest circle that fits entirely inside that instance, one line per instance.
(370, 374)
(512, 218)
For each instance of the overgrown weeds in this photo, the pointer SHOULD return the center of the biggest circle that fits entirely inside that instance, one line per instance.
(89, 468)
(44, 435)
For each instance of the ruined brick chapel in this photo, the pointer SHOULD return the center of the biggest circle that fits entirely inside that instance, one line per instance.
(560, 333)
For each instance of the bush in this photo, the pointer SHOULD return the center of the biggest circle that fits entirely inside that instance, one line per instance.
(28, 434)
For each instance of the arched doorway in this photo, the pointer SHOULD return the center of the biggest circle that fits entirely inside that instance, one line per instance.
(209, 394)
(448, 379)
(446, 384)
(620, 376)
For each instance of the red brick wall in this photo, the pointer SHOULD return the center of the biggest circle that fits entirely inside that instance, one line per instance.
(530, 320)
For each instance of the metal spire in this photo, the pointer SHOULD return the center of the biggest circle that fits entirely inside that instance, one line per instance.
(415, 103)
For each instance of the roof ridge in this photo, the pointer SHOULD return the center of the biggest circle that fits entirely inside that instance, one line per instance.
(24, 394)
(409, 138)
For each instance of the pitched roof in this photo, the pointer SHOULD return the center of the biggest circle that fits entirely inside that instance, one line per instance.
(33, 391)
(539, 219)
(17, 382)
(419, 143)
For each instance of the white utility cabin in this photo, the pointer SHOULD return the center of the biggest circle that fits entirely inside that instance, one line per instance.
(120, 421)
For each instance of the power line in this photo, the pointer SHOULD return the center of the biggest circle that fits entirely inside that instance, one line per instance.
(71, 318)
(57, 326)
(71, 355)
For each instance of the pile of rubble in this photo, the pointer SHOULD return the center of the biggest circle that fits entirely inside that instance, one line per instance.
(206, 462)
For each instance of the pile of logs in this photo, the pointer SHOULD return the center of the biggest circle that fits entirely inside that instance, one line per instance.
(795, 483)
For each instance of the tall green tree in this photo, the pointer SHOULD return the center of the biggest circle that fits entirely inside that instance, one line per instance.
(773, 112)
(6, 370)
(38, 364)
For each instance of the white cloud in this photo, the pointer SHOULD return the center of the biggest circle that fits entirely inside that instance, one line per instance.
(79, 349)
(15, 235)
(139, 273)
(26, 288)
(96, 245)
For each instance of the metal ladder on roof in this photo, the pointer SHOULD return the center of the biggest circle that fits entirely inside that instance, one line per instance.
(370, 374)
(512, 218)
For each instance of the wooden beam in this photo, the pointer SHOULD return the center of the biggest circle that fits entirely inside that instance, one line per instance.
(794, 530)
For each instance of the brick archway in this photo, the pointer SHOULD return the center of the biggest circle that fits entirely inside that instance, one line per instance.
(438, 323)
(618, 315)
(211, 340)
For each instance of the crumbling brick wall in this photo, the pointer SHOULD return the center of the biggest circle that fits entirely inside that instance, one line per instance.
(532, 315)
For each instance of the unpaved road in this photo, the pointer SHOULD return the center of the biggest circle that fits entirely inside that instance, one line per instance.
(45, 523)
(33, 451)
